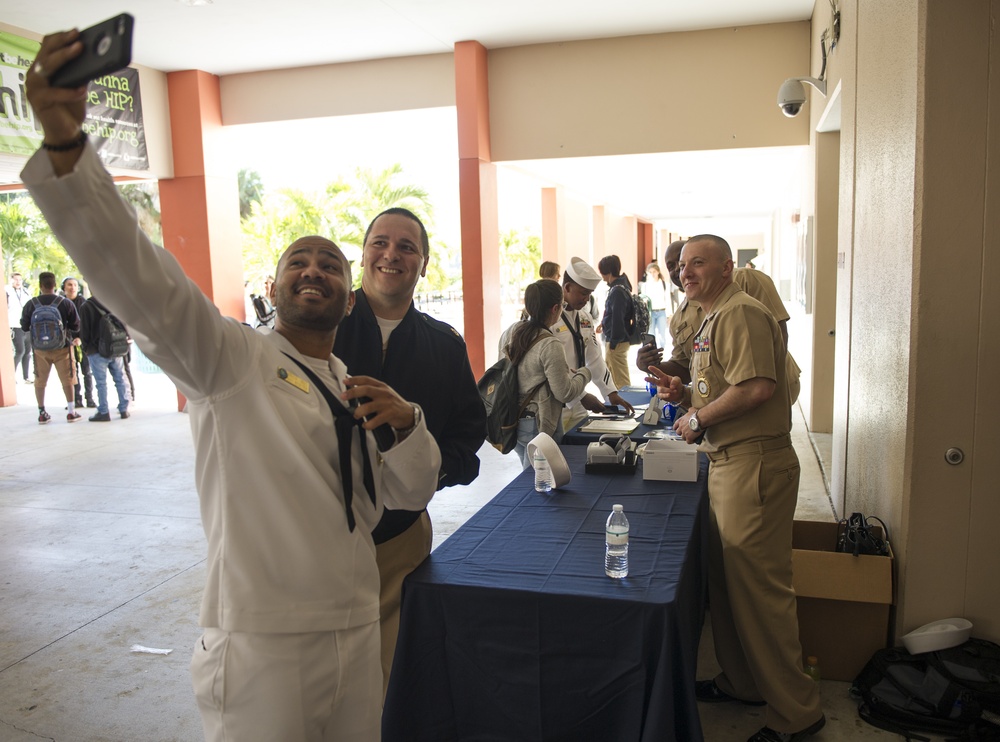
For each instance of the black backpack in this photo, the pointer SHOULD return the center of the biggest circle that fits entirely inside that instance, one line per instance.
(639, 317)
(47, 329)
(264, 311)
(953, 692)
(112, 337)
(499, 391)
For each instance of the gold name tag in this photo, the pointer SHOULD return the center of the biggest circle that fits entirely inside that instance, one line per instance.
(297, 381)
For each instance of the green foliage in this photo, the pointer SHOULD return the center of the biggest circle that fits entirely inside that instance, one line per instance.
(144, 198)
(27, 242)
(340, 212)
(29, 247)
(251, 191)
(520, 256)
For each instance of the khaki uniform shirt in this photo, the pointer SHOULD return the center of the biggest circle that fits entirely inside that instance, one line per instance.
(738, 341)
(688, 318)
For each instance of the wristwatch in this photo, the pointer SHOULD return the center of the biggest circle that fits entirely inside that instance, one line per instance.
(417, 416)
(694, 424)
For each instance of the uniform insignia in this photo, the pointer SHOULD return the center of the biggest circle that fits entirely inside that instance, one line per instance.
(702, 344)
(298, 382)
(704, 388)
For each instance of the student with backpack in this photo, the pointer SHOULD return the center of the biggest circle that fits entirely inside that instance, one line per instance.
(54, 327)
(545, 380)
(105, 343)
(618, 313)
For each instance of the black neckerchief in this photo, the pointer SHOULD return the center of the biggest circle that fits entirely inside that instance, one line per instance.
(581, 359)
(344, 423)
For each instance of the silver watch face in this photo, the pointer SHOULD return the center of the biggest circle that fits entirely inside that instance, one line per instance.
(693, 423)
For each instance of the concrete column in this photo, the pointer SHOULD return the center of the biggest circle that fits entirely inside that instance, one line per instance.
(199, 206)
(478, 205)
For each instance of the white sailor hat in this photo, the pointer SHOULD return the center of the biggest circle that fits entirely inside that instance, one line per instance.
(581, 273)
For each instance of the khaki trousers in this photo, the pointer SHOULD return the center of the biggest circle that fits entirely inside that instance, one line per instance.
(396, 558)
(62, 361)
(752, 495)
(617, 361)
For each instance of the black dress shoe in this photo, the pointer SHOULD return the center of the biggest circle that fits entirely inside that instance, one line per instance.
(766, 734)
(125, 414)
(91, 404)
(707, 691)
(100, 417)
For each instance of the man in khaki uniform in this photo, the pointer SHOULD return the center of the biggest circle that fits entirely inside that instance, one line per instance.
(739, 415)
(688, 318)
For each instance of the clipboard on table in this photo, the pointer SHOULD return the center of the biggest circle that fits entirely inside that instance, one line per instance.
(601, 425)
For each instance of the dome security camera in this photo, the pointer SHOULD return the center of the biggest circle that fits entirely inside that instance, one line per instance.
(792, 94)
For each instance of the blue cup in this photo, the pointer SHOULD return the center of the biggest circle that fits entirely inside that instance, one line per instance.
(669, 414)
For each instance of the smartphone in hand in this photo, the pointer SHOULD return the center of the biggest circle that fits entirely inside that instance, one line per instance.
(107, 47)
(648, 339)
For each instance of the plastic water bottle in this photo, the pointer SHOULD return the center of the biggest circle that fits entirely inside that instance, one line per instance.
(812, 667)
(616, 543)
(543, 473)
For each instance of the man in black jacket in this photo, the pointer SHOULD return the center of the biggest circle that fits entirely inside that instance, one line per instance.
(426, 362)
(90, 334)
(617, 312)
(84, 378)
(61, 358)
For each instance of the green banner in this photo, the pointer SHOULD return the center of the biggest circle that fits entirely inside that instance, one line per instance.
(19, 133)
(114, 110)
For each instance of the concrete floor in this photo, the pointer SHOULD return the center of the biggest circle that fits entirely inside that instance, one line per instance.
(101, 549)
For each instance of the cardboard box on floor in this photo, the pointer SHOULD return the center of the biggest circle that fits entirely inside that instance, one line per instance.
(843, 600)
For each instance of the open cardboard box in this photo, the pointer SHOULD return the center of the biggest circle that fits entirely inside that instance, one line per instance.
(843, 600)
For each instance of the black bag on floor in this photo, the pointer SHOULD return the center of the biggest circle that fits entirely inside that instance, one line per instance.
(856, 536)
(953, 692)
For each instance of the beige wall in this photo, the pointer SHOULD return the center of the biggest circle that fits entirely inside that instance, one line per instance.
(918, 224)
(657, 93)
(398, 84)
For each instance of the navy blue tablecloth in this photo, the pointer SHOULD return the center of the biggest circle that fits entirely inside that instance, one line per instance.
(510, 630)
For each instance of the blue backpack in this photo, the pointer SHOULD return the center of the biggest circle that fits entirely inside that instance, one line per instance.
(47, 330)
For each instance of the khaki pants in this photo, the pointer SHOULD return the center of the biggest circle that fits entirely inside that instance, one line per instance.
(617, 361)
(396, 558)
(752, 497)
(62, 361)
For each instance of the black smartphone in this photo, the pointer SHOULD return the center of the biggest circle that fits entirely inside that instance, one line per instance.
(107, 47)
(648, 339)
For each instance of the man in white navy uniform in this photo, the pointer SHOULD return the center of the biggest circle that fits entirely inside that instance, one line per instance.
(290, 649)
(575, 330)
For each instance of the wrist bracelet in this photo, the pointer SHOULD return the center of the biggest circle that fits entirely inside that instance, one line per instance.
(75, 144)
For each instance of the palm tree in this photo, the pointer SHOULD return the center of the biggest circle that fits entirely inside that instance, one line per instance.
(520, 254)
(372, 192)
(144, 198)
(251, 191)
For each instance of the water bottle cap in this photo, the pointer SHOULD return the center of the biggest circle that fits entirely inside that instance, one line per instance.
(618, 508)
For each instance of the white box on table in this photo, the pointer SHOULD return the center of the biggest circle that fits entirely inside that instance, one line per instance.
(670, 460)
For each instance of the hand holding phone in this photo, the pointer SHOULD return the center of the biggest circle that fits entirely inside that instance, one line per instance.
(648, 339)
(107, 47)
